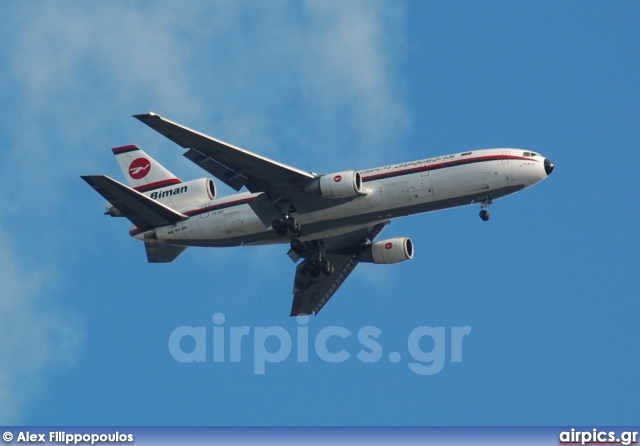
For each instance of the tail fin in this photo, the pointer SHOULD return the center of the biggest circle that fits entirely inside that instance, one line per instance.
(142, 172)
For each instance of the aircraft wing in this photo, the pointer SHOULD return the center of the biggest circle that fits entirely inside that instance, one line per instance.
(237, 167)
(232, 165)
(311, 294)
(141, 210)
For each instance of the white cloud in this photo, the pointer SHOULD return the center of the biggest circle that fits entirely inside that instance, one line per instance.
(357, 45)
(36, 335)
(318, 78)
(312, 84)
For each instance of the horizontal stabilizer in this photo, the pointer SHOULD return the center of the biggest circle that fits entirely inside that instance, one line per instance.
(141, 210)
(158, 252)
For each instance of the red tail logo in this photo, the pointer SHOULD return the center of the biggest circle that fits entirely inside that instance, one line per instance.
(139, 168)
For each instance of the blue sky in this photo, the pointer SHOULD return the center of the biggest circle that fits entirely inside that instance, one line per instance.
(548, 285)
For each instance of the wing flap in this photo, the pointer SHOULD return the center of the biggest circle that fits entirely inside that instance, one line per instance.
(221, 172)
(141, 210)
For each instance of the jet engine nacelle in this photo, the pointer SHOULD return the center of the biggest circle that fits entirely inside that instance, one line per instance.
(394, 250)
(337, 185)
(183, 195)
(178, 196)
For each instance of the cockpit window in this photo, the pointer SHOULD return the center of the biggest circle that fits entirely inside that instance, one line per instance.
(526, 154)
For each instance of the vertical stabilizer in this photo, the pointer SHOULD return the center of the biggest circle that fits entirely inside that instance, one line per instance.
(142, 172)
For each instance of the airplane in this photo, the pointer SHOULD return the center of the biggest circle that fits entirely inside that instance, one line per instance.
(330, 221)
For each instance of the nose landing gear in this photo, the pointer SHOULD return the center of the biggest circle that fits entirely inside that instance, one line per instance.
(484, 214)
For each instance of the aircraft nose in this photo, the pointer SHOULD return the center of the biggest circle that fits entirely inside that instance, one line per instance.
(548, 166)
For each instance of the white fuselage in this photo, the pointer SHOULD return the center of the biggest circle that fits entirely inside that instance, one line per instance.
(390, 191)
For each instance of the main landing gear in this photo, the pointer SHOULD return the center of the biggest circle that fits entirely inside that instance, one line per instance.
(484, 214)
(315, 267)
(315, 262)
(286, 224)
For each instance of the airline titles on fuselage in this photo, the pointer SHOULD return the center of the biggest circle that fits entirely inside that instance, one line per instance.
(424, 162)
(168, 193)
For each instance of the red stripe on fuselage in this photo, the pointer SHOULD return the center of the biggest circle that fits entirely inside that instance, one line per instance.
(444, 165)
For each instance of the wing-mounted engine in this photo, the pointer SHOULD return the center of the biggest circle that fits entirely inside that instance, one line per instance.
(394, 250)
(337, 185)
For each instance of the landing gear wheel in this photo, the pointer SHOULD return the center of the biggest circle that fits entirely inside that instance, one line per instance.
(486, 202)
(279, 227)
(310, 266)
(314, 253)
(295, 228)
(285, 224)
(297, 246)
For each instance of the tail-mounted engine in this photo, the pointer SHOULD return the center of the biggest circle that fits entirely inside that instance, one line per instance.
(337, 185)
(178, 196)
(394, 250)
(181, 195)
